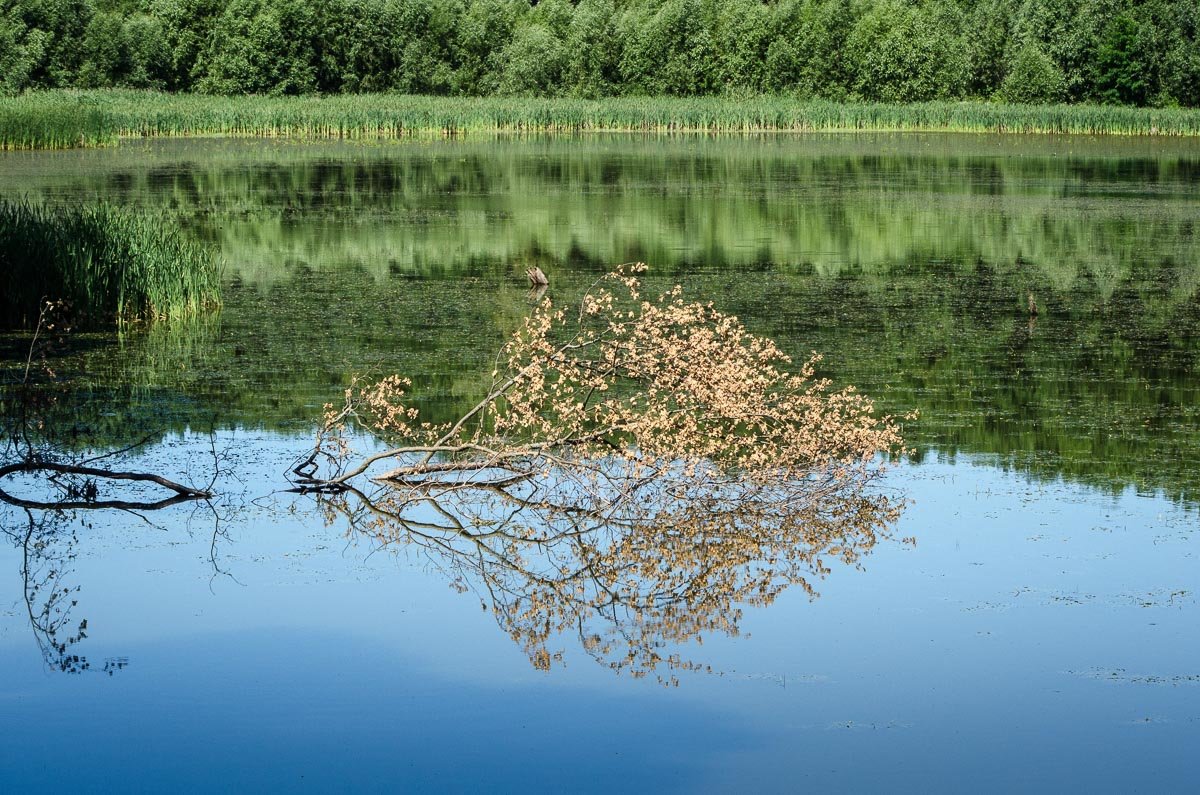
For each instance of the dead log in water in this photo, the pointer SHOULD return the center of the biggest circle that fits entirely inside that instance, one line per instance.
(536, 277)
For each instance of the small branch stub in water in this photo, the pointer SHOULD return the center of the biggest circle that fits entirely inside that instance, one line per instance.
(536, 277)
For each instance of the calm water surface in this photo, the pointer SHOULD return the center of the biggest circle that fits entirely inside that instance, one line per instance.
(1039, 634)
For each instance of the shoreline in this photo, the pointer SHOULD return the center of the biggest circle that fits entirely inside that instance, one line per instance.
(104, 118)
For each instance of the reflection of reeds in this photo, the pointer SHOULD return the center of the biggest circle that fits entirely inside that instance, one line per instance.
(48, 120)
(160, 348)
(108, 263)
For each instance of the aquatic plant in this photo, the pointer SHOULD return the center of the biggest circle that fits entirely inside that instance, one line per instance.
(106, 263)
(385, 116)
(64, 119)
(54, 120)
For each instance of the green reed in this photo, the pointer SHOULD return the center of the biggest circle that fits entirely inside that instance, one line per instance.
(55, 120)
(387, 116)
(107, 263)
(63, 119)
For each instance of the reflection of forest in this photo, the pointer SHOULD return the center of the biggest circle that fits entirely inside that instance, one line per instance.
(1101, 388)
(830, 203)
(906, 260)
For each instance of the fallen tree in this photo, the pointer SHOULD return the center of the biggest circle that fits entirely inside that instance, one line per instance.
(645, 463)
(619, 390)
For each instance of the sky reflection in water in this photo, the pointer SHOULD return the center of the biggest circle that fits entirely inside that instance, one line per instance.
(1031, 622)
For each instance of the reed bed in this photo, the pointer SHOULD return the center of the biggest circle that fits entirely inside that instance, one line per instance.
(72, 118)
(107, 263)
(55, 120)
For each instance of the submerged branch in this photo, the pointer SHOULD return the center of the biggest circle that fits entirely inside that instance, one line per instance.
(121, 505)
(108, 474)
(182, 493)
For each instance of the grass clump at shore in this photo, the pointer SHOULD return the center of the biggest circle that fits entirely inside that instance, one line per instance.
(55, 120)
(109, 264)
(44, 120)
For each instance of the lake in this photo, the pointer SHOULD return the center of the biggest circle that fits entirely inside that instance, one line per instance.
(1028, 622)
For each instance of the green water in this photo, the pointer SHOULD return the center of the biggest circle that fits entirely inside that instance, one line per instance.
(906, 260)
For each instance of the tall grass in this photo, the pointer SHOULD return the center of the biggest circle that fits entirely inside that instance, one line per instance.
(67, 118)
(108, 263)
(388, 116)
(55, 120)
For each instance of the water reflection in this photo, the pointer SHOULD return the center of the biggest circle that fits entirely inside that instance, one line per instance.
(906, 260)
(1019, 584)
(1100, 390)
(632, 587)
(47, 542)
(50, 453)
(833, 203)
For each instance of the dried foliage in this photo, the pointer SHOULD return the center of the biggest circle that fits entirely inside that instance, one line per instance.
(639, 470)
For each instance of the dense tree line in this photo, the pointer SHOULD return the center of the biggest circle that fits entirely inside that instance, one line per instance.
(1141, 52)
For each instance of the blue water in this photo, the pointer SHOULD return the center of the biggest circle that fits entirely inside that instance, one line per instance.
(1037, 636)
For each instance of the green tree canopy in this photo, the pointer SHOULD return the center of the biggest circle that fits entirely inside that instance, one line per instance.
(1136, 52)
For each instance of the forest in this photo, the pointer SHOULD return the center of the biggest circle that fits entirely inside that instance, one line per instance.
(1117, 52)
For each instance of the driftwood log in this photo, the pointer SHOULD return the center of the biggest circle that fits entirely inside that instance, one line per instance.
(182, 493)
(536, 277)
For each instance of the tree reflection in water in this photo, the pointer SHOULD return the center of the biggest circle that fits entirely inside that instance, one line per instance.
(47, 540)
(633, 579)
